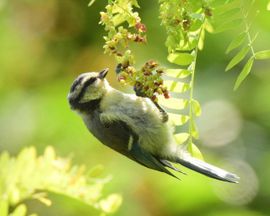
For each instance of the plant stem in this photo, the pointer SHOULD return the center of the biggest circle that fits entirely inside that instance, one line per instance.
(247, 29)
(191, 112)
(249, 40)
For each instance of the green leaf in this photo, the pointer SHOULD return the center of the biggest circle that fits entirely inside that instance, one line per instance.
(42, 197)
(196, 108)
(208, 26)
(239, 57)
(183, 119)
(194, 129)
(178, 73)
(135, 3)
(19, 211)
(118, 19)
(185, 44)
(196, 25)
(181, 58)
(201, 40)
(246, 70)
(179, 87)
(265, 54)
(180, 138)
(171, 108)
(236, 42)
(195, 152)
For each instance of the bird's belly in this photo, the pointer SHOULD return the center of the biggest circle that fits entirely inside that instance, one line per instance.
(114, 135)
(155, 139)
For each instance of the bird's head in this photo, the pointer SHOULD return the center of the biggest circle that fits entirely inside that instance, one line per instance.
(88, 88)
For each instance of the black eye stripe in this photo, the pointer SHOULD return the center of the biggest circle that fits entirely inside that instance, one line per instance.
(89, 82)
(85, 85)
(75, 83)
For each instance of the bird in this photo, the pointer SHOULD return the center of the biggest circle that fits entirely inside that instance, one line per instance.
(134, 127)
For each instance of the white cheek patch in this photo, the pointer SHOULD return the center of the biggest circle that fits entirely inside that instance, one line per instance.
(75, 93)
(90, 94)
(94, 91)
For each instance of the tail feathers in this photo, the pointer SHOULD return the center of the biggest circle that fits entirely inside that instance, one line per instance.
(207, 169)
(148, 160)
(168, 164)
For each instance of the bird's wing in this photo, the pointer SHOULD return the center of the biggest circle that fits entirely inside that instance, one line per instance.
(120, 137)
(147, 159)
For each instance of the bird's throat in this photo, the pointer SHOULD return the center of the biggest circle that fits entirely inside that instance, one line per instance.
(89, 106)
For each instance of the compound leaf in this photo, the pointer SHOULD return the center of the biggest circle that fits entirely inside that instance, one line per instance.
(236, 42)
(180, 58)
(239, 57)
(244, 73)
(265, 54)
(196, 108)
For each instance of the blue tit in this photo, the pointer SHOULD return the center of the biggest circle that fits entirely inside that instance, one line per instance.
(133, 126)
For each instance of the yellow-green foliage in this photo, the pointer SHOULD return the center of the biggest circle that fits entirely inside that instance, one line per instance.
(29, 176)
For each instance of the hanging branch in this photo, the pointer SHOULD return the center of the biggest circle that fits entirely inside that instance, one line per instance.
(185, 25)
(124, 27)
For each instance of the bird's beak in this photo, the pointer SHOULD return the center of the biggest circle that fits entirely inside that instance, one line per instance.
(103, 73)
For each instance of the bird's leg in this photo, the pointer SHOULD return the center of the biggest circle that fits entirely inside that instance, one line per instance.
(164, 114)
(140, 93)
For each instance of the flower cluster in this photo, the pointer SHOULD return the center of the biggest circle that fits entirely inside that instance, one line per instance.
(183, 21)
(124, 26)
(147, 82)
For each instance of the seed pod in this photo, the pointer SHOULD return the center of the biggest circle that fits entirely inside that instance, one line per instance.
(138, 38)
(208, 12)
(140, 27)
(154, 98)
(145, 88)
(159, 71)
(146, 73)
(167, 96)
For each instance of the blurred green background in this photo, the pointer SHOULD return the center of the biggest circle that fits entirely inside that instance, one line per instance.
(44, 45)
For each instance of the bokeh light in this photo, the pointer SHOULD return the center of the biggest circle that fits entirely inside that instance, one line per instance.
(243, 192)
(220, 123)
